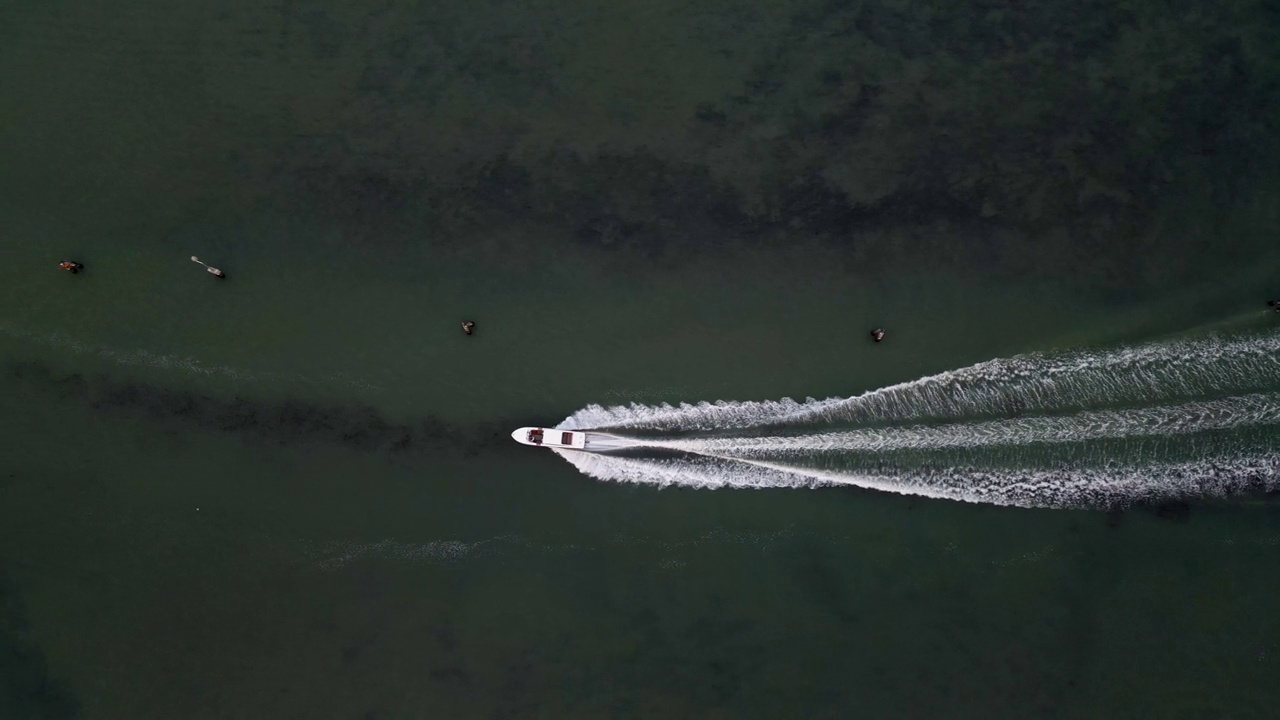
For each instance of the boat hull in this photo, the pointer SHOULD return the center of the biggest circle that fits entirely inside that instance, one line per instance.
(550, 437)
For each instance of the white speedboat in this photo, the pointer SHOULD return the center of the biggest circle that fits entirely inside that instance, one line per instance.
(550, 437)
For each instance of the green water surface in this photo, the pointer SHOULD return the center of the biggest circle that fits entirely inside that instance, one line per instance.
(292, 494)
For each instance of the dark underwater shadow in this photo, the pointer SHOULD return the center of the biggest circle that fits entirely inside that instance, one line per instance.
(288, 422)
(27, 691)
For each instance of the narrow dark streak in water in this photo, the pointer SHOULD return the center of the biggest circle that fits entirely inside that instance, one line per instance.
(285, 422)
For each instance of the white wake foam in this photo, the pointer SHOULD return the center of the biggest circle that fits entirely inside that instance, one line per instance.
(1144, 374)
(1174, 419)
(1196, 417)
(1052, 488)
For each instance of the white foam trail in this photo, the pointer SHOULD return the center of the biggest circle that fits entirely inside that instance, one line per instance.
(720, 471)
(1221, 414)
(1187, 418)
(606, 442)
(1165, 371)
(1053, 488)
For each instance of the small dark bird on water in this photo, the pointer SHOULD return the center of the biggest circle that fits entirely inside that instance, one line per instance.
(1274, 305)
(878, 334)
(468, 326)
(71, 266)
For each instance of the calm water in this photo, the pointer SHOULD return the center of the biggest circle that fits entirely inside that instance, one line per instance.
(293, 494)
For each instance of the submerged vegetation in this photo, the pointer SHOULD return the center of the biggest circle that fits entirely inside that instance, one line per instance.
(1088, 132)
(1060, 124)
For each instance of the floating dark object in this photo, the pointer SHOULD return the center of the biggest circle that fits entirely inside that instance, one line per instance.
(877, 334)
(1274, 305)
(71, 266)
(468, 326)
